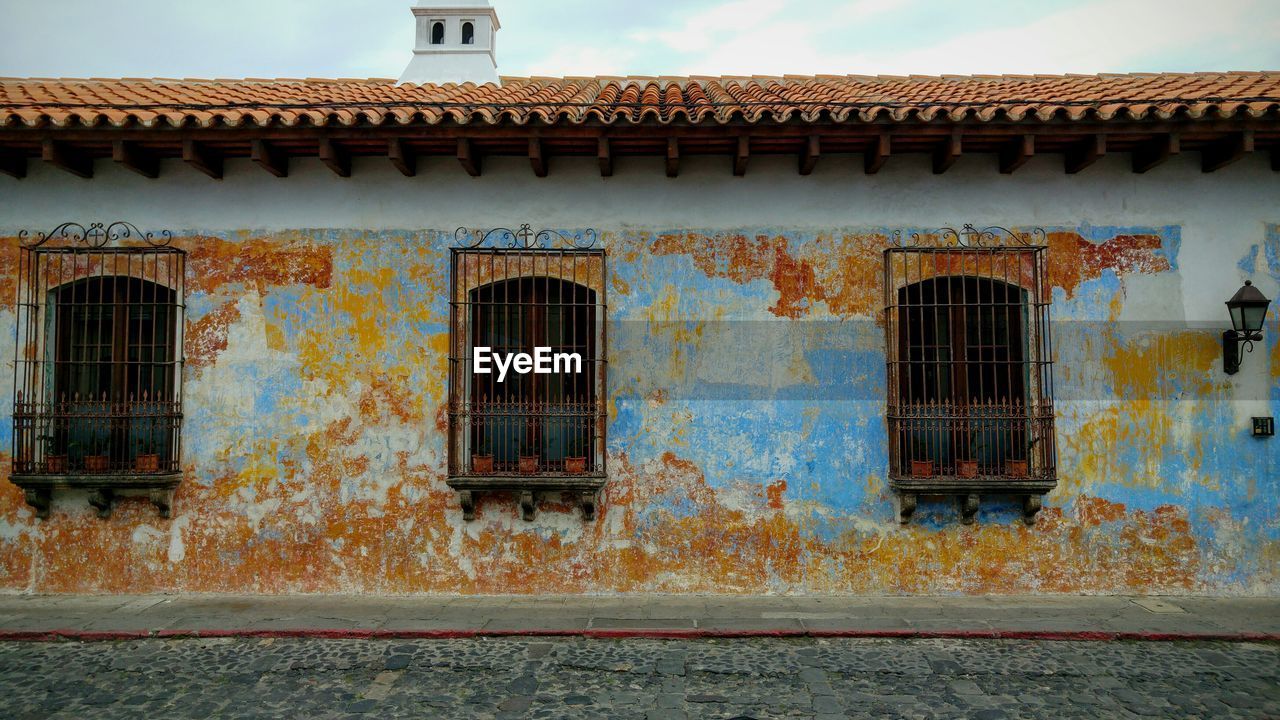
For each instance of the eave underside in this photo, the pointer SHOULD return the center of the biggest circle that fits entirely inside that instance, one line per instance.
(1219, 142)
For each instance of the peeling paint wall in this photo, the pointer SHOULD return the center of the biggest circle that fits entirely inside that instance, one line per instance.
(746, 433)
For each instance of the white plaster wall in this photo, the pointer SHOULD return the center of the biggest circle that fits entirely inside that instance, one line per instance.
(1221, 214)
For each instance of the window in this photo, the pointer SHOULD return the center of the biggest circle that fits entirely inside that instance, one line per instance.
(437, 33)
(468, 33)
(98, 378)
(527, 430)
(970, 398)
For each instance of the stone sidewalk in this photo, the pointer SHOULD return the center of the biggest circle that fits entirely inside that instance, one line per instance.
(34, 617)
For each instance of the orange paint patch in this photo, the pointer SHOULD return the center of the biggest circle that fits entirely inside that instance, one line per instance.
(1095, 511)
(1074, 259)
(206, 338)
(775, 491)
(9, 254)
(213, 263)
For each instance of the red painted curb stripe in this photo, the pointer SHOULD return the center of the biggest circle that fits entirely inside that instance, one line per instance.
(625, 633)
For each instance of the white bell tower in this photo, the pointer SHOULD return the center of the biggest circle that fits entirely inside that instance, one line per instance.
(455, 43)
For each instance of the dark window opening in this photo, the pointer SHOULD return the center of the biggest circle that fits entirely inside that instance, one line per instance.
(963, 372)
(963, 342)
(548, 416)
(468, 33)
(437, 33)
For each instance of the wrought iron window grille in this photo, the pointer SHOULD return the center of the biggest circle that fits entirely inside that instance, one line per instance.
(98, 364)
(969, 367)
(513, 291)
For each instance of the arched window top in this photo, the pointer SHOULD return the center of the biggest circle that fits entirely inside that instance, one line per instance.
(106, 288)
(437, 33)
(540, 289)
(468, 33)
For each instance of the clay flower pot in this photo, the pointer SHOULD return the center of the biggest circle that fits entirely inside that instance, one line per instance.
(528, 464)
(575, 465)
(96, 463)
(922, 468)
(55, 464)
(482, 464)
(967, 468)
(147, 463)
(1015, 468)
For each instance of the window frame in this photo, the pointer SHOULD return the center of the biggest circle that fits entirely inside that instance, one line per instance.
(474, 268)
(123, 437)
(968, 445)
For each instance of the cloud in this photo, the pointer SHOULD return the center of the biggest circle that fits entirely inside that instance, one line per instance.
(774, 37)
(1100, 36)
(338, 38)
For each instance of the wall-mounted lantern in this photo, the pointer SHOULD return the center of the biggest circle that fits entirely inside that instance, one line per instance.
(1248, 309)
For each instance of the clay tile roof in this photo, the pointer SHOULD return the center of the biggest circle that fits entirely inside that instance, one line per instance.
(36, 102)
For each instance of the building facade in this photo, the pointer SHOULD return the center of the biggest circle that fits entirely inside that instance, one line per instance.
(839, 335)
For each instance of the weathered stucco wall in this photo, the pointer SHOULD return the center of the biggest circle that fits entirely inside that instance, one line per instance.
(747, 441)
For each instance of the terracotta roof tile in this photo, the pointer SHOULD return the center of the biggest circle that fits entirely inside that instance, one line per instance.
(844, 98)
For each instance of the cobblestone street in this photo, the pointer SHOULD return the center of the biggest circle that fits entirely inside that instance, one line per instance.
(594, 678)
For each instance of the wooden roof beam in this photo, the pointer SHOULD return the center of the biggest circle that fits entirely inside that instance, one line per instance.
(1017, 153)
(1155, 151)
(134, 158)
(63, 157)
(13, 165)
(1084, 153)
(467, 157)
(202, 158)
(741, 157)
(536, 158)
(1226, 151)
(269, 158)
(947, 153)
(605, 155)
(335, 157)
(673, 157)
(809, 158)
(876, 156)
(402, 157)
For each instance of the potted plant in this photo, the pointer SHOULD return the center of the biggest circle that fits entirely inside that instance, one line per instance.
(145, 429)
(575, 459)
(89, 435)
(482, 459)
(969, 468)
(55, 463)
(146, 460)
(528, 458)
(1019, 468)
(922, 467)
(95, 464)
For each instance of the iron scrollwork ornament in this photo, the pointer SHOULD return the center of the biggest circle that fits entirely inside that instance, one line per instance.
(526, 239)
(971, 236)
(95, 235)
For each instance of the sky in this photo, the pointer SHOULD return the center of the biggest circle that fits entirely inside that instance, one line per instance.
(374, 38)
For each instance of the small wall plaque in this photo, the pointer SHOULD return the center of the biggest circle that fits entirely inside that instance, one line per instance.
(1264, 427)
